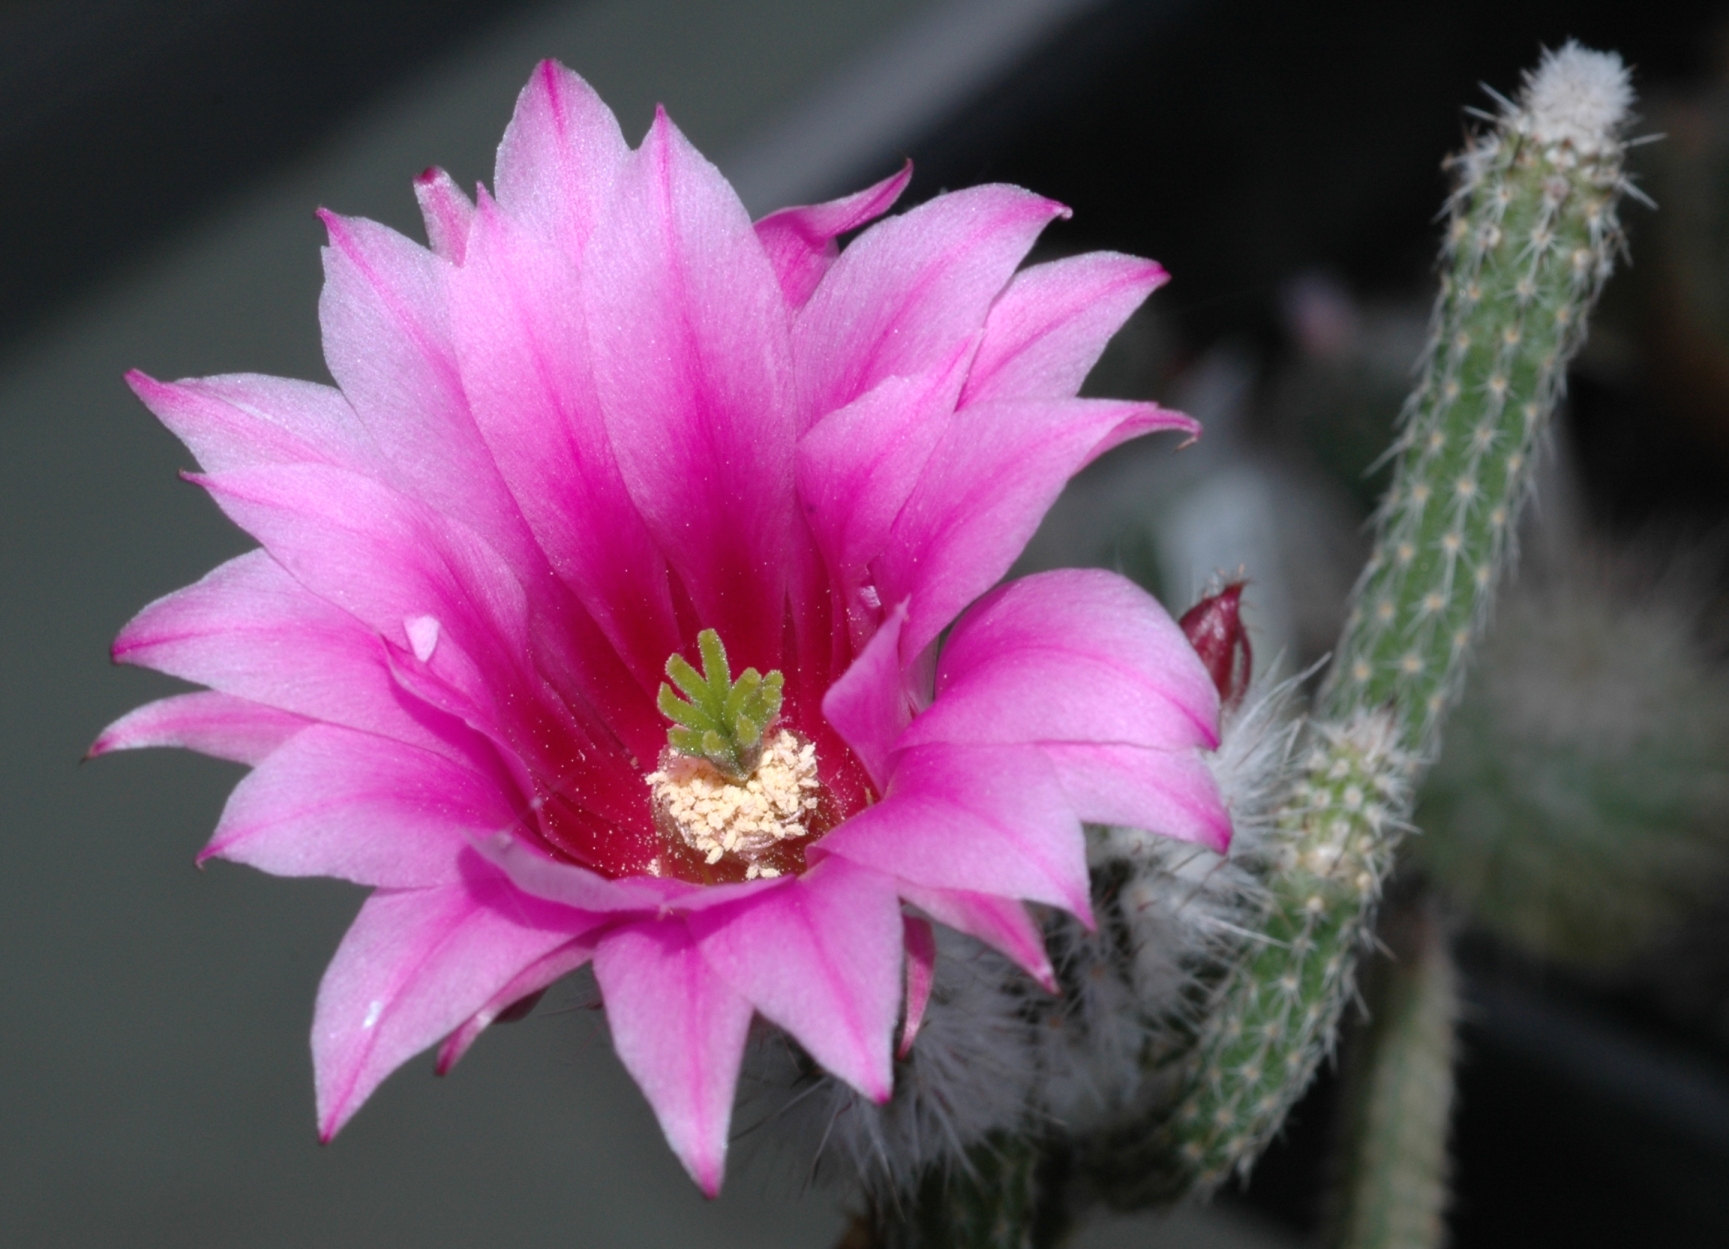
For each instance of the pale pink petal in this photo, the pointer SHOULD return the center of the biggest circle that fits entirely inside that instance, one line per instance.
(800, 242)
(870, 705)
(570, 884)
(448, 214)
(414, 966)
(1001, 923)
(1045, 334)
(822, 959)
(1075, 655)
(909, 290)
(984, 819)
(1169, 792)
(560, 155)
(333, 802)
(387, 343)
(984, 490)
(693, 364)
(680, 1031)
(246, 418)
(858, 466)
(387, 560)
(921, 946)
(517, 318)
(250, 629)
(391, 561)
(529, 982)
(213, 724)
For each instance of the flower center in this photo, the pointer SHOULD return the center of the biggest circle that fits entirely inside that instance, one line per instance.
(750, 819)
(734, 797)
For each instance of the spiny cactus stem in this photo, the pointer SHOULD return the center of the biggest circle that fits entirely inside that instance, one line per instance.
(1531, 240)
(1400, 1094)
(1279, 1006)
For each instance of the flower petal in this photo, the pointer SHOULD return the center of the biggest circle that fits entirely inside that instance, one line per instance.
(1001, 923)
(250, 629)
(447, 212)
(387, 560)
(213, 724)
(800, 242)
(820, 957)
(1075, 655)
(921, 946)
(416, 964)
(246, 418)
(391, 561)
(387, 343)
(517, 319)
(1169, 792)
(984, 819)
(870, 705)
(909, 290)
(560, 155)
(693, 364)
(861, 462)
(1045, 333)
(528, 982)
(991, 479)
(680, 1031)
(333, 802)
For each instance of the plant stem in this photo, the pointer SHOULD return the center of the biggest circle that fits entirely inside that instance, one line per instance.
(1400, 1094)
(1531, 240)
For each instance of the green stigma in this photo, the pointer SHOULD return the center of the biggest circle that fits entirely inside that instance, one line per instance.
(719, 719)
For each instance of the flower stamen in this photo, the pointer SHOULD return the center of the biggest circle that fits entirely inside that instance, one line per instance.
(716, 816)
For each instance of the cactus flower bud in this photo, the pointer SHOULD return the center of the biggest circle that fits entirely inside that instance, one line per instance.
(1214, 627)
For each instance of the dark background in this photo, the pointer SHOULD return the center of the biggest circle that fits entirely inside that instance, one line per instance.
(161, 162)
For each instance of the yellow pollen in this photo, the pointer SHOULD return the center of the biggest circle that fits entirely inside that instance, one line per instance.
(717, 817)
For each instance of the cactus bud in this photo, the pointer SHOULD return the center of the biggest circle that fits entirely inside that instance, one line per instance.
(1214, 627)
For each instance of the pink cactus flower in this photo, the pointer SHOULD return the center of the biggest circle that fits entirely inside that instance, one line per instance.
(606, 421)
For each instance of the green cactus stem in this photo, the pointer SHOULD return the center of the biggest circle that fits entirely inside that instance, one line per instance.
(1279, 1006)
(1531, 239)
(1400, 1093)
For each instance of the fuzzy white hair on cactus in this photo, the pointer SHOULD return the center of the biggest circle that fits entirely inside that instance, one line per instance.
(1578, 96)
